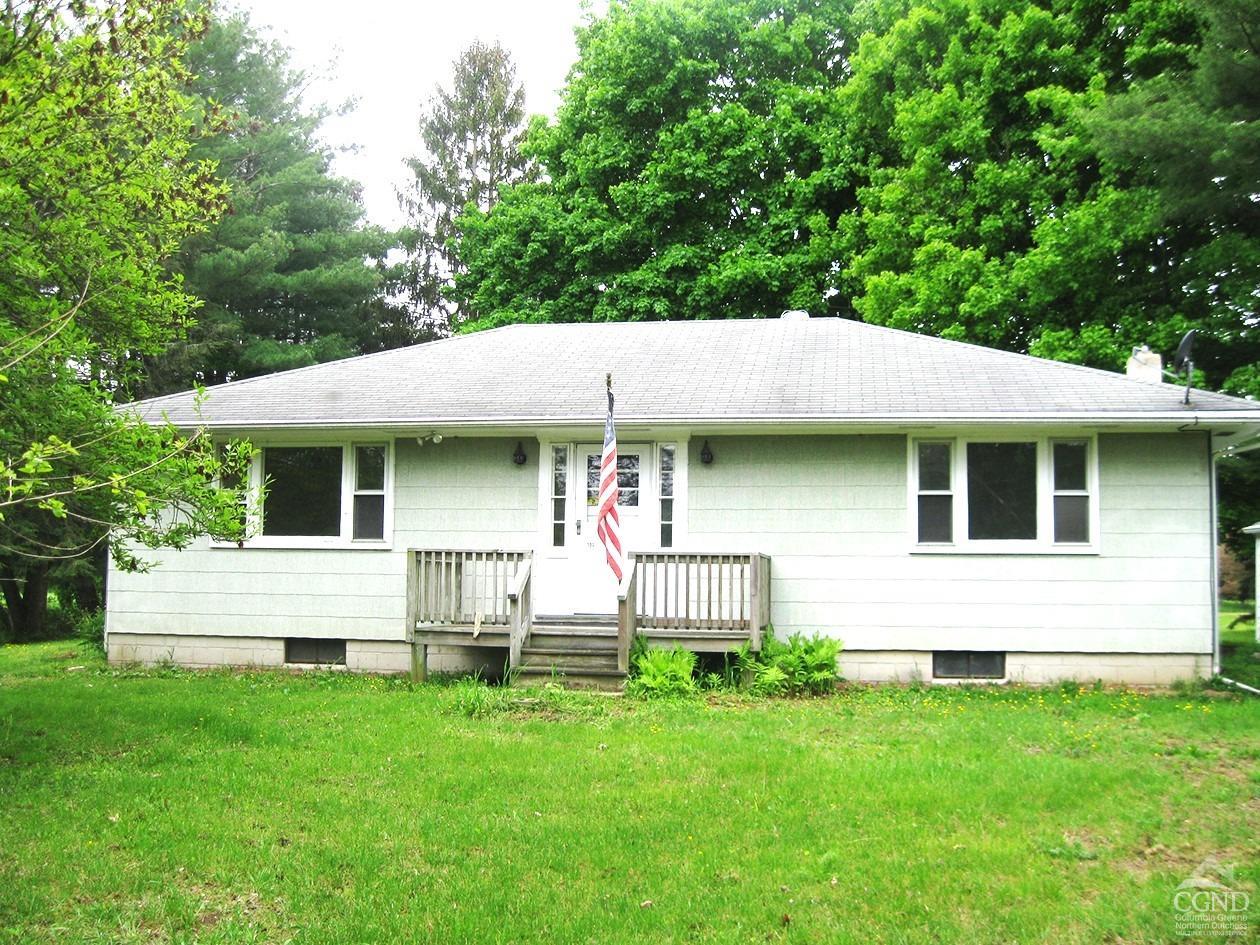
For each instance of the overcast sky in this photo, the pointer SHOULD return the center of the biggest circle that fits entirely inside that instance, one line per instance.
(389, 54)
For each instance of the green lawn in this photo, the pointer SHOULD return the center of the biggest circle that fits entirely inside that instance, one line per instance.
(260, 807)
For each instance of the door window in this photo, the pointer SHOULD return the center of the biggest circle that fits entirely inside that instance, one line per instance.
(627, 480)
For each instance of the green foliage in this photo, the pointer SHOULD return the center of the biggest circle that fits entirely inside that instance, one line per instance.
(766, 679)
(691, 172)
(982, 213)
(1238, 490)
(660, 672)
(976, 169)
(89, 628)
(1189, 136)
(799, 665)
(99, 185)
(472, 135)
(291, 276)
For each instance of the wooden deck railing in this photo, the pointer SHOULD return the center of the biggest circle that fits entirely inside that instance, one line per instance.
(520, 607)
(471, 588)
(728, 594)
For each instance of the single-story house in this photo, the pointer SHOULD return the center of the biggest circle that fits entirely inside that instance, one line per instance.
(948, 511)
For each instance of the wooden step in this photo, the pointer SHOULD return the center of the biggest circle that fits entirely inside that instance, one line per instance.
(579, 620)
(572, 641)
(577, 629)
(605, 680)
(545, 658)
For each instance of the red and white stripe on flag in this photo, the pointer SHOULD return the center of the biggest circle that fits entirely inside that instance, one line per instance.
(608, 524)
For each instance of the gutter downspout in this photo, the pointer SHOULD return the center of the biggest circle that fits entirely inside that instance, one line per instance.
(1243, 686)
(1215, 566)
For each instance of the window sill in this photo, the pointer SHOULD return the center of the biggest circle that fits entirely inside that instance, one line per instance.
(1018, 549)
(276, 543)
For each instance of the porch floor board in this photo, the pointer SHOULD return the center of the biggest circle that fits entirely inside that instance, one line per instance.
(461, 635)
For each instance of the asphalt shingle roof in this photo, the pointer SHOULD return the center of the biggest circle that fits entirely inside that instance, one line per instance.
(735, 370)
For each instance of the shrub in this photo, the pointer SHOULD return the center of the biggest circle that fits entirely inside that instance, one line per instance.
(767, 679)
(660, 672)
(90, 628)
(798, 665)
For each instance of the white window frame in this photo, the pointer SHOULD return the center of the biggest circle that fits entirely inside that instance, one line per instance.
(661, 496)
(350, 490)
(1044, 543)
(1090, 492)
(345, 539)
(550, 450)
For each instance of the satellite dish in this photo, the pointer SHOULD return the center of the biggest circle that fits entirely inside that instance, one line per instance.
(1183, 360)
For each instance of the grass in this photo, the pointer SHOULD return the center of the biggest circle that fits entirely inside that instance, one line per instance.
(1240, 653)
(170, 806)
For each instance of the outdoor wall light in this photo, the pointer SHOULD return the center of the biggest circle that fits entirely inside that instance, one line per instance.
(706, 454)
(519, 456)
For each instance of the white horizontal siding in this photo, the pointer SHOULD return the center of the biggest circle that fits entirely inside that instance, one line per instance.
(466, 494)
(832, 514)
(461, 493)
(204, 590)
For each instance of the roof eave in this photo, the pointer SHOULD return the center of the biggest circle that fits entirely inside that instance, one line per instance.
(1188, 419)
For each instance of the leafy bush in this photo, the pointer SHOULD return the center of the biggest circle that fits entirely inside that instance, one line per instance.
(90, 628)
(767, 679)
(798, 665)
(660, 672)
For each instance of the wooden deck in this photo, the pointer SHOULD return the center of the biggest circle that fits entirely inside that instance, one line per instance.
(709, 603)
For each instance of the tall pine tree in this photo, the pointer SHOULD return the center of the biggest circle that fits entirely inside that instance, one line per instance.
(472, 134)
(292, 275)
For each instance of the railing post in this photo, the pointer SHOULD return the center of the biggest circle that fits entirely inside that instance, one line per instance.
(759, 606)
(627, 605)
(413, 615)
(519, 606)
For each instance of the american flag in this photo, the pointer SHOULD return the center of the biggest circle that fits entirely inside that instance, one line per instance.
(607, 523)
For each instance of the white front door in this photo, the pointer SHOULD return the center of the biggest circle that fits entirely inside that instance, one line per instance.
(574, 577)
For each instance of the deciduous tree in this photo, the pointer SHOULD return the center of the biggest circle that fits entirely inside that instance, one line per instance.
(97, 189)
(694, 170)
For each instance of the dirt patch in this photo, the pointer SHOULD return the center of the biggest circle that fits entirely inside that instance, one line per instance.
(1152, 857)
(218, 905)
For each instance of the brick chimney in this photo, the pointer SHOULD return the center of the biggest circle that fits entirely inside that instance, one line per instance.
(1145, 365)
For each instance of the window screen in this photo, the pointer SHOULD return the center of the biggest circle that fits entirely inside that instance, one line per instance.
(303, 490)
(317, 652)
(936, 497)
(369, 492)
(1071, 491)
(968, 664)
(1002, 491)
